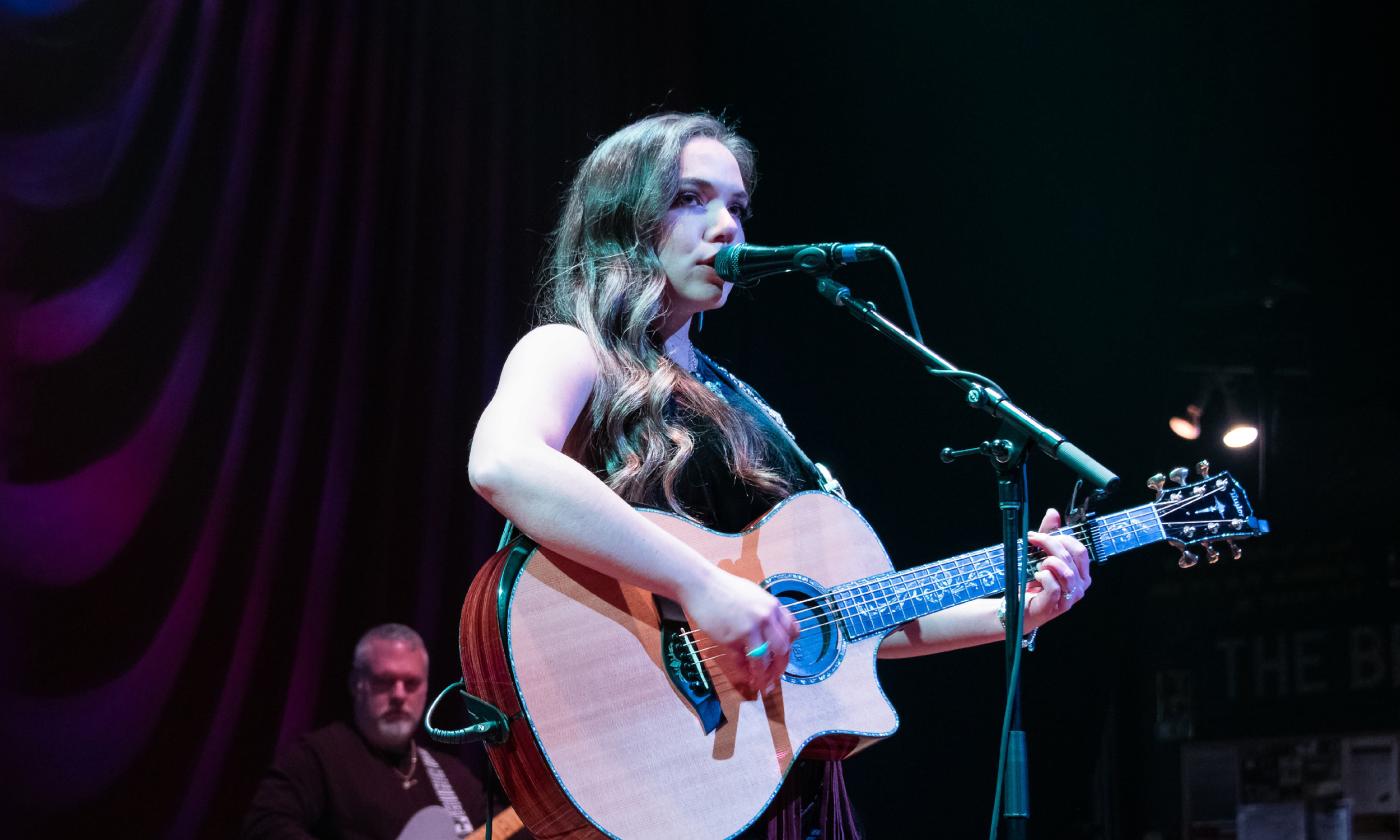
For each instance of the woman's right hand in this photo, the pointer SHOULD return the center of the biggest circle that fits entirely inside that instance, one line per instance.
(740, 616)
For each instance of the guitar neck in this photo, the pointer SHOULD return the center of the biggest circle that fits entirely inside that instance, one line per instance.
(876, 605)
(506, 825)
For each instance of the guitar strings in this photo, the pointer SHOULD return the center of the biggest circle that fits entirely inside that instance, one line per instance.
(974, 560)
(837, 612)
(966, 567)
(886, 586)
(971, 561)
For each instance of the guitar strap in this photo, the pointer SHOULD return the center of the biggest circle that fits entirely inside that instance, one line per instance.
(445, 794)
(765, 413)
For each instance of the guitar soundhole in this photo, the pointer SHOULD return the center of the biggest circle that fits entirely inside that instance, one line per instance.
(818, 648)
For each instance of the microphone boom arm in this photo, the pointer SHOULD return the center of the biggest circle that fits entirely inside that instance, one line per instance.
(980, 392)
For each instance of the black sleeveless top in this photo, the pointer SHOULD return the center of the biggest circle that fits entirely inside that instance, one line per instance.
(707, 488)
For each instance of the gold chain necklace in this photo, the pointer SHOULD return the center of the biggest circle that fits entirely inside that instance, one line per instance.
(407, 778)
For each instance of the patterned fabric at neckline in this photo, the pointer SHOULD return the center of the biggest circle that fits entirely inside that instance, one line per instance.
(717, 387)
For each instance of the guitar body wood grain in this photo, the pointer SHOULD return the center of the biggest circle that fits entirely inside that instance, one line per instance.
(605, 744)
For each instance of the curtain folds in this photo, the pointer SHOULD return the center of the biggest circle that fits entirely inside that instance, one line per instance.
(259, 263)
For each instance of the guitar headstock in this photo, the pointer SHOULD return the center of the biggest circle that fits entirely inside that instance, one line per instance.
(1211, 509)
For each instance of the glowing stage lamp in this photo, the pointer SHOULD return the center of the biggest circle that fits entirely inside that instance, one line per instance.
(1240, 428)
(1240, 435)
(1188, 427)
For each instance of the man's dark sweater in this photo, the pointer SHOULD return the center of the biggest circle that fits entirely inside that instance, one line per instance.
(333, 784)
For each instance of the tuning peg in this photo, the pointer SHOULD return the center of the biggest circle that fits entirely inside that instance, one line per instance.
(1178, 474)
(1187, 559)
(1203, 468)
(1212, 555)
(1235, 551)
(1156, 483)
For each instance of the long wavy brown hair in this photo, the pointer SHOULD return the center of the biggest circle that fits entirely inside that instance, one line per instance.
(602, 274)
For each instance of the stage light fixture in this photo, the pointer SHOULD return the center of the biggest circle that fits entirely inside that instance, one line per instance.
(1220, 390)
(1188, 427)
(1240, 435)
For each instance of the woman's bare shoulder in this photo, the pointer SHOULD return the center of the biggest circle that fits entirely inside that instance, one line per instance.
(557, 338)
(556, 346)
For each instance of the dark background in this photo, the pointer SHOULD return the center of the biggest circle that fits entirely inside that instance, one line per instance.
(259, 265)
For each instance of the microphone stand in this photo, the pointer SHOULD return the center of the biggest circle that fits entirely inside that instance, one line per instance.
(1008, 455)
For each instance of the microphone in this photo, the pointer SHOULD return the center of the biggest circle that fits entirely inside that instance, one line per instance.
(745, 265)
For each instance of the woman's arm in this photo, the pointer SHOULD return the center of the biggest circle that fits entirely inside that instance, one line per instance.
(517, 465)
(1060, 583)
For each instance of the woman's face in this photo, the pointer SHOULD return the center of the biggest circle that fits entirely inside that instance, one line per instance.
(707, 213)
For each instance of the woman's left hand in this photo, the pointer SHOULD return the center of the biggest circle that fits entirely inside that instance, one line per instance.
(1063, 576)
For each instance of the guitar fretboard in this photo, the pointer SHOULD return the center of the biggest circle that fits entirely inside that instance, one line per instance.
(878, 604)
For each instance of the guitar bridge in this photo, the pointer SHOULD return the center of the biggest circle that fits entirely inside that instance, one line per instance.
(685, 667)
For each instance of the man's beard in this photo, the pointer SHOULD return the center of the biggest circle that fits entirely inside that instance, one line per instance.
(393, 733)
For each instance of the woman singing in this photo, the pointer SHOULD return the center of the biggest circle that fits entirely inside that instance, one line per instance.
(608, 404)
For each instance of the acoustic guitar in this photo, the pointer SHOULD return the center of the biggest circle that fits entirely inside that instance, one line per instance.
(621, 726)
(506, 825)
(435, 823)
